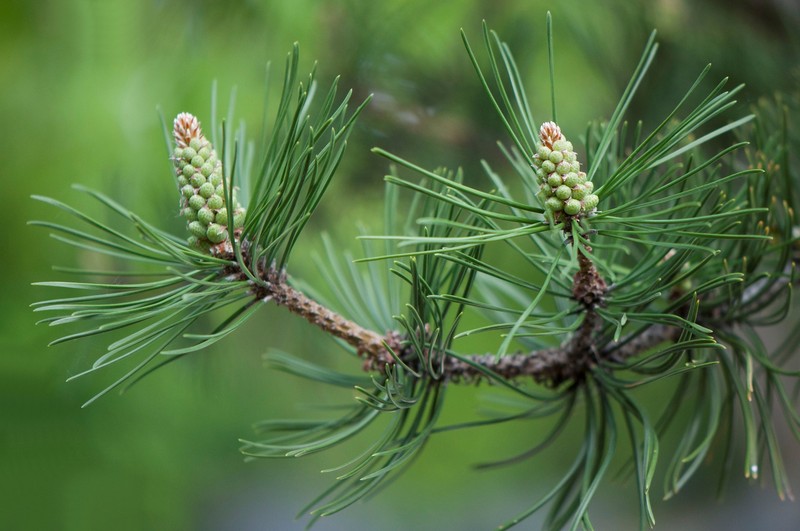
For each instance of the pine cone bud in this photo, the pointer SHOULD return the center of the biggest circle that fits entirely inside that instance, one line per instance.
(564, 189)
(549, 132)
(199, 174)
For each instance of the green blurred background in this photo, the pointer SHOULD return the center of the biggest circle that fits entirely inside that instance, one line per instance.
(81, 80)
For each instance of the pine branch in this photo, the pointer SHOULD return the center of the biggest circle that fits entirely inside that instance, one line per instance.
(693, 260)
(369, 344)
(552, 366)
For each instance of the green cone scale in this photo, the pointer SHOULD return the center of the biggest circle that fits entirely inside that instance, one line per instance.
(199, 174)
(564, 190)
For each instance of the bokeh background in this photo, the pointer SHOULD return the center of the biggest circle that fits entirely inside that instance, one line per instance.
(81, 80)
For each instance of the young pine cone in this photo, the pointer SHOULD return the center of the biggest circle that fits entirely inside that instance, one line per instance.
(199, 173)
(563, 186)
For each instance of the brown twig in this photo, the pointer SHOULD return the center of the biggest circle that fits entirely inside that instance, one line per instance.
(369, 344)
(554, 366)
(551, 366)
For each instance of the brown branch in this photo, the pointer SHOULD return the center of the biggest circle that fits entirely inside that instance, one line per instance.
(551, 366)
(556, 365)
(368, 344)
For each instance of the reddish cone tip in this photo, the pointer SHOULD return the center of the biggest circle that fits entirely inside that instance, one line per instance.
(549, 133)
(185, 128)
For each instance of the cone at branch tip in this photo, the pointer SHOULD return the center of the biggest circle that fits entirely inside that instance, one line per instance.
(563, 188)
(199, 174)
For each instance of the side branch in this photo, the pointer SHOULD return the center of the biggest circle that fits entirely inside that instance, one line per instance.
(552, 366)
(368, 344)
(556, 365)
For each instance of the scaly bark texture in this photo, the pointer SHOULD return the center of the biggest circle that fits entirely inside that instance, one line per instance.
(369, 344)
(552, 366)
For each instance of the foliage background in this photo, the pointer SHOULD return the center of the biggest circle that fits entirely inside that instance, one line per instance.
(81, 80)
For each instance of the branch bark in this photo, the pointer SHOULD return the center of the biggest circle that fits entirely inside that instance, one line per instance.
(369, 344)
(551, 366)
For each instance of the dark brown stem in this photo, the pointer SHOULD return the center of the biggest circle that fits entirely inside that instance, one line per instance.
(368, 344)
(554, 366)
(551, 366)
